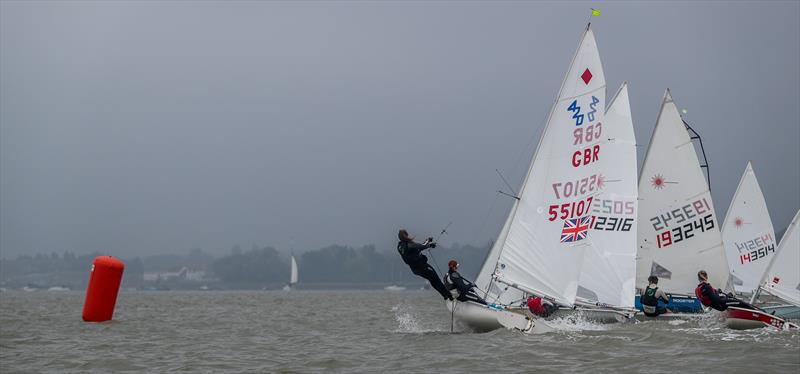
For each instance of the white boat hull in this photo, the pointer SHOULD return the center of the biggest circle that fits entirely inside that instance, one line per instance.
(482, 318)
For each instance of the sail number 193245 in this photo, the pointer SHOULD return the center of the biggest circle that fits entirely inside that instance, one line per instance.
(684, 232)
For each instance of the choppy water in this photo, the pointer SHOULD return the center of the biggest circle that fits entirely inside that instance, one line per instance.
(358, 331)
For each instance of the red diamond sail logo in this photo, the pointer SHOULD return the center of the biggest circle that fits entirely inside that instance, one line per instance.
(586, 76)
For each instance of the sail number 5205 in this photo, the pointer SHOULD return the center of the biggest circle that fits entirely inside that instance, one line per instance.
(570, 210)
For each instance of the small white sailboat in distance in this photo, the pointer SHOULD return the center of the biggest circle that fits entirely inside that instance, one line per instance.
(292, 277)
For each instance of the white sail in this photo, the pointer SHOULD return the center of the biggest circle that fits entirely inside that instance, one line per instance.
(609, 267)
(748, 234)
(293, 278)
(543, 250)
(492, 291)
(678, 231)
(783, 274)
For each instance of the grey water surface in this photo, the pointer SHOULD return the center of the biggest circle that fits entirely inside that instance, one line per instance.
(353, 331)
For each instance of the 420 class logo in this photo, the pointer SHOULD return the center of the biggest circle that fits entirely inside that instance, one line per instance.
(575, 109)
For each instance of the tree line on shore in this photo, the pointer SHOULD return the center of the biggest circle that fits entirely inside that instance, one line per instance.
(258, 267)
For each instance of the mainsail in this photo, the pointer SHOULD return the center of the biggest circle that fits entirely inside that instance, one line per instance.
(679, 234)
(293, 277)
(748, 234)
(609, 267)
(542, 245)
(782, 278)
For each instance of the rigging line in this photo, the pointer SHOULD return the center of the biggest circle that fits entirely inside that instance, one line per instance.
(505, 181)
(480, 231)
(435, 263)
(452, 315)
(702, 149)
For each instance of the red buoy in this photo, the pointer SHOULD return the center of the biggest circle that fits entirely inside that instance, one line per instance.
(101, 294)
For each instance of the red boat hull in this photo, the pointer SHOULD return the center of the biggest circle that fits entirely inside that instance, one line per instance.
(744, 319)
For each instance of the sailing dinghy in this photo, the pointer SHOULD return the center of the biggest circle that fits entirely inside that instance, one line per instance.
(293, 276)
(781, 279)
(679, 234)
(748, 234)
(540, 250)
(607, 284)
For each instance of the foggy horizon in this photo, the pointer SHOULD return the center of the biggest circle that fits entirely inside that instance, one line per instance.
(138, 128)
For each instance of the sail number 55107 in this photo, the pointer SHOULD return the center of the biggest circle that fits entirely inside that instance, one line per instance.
(570, 210)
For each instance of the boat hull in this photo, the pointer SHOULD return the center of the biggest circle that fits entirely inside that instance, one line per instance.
(481, 318)
(677, 304)
(745, 319)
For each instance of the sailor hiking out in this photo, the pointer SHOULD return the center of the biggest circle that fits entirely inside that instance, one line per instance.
(411, 253)
(650, 297)
(716, 298)
(460, 287)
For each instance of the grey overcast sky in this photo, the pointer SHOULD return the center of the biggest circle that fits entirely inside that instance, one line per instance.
(135, 128)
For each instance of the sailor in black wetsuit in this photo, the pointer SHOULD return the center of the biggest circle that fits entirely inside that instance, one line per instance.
(716, 298)
(411, 253)
(464, 288)
(650, 297)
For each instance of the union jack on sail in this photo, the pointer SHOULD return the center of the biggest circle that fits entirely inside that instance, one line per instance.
(575, 229)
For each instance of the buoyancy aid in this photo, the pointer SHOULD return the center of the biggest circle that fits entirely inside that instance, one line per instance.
(448, 283)
(649, 297)
(704, 299)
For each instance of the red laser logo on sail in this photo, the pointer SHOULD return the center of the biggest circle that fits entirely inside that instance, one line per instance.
(657, 181)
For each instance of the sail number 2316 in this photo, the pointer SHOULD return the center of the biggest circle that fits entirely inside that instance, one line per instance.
(570, 210)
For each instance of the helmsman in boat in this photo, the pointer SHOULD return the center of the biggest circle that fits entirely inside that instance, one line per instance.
(460, 287)
(715, 298)
(650, 297)
(411, 253)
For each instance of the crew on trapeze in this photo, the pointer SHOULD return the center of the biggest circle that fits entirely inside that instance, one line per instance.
(650, 297)
(715, 298)
(460, 287)
(411, 253)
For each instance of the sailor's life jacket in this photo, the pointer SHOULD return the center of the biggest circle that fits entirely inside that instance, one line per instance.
(649, 300)
(649, 296)
(540, 307)
(705, 297)
(448, 283)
